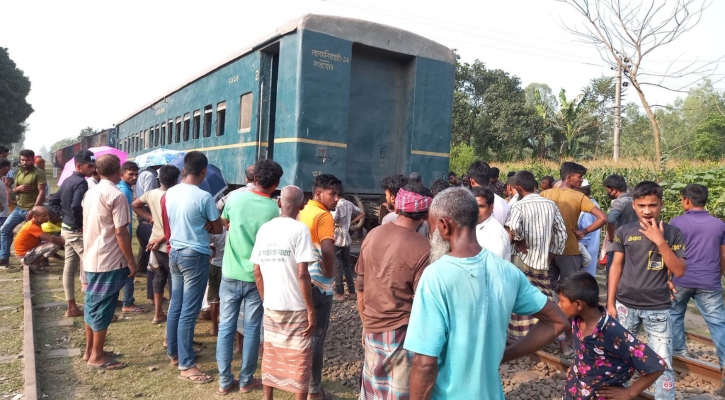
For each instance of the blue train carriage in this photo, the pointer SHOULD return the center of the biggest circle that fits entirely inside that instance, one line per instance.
(320, 95)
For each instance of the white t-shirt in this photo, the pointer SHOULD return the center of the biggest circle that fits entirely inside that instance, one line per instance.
(493, 237)
(281, 244)
(501, 209)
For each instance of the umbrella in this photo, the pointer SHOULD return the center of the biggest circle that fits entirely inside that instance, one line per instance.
(157, 157)
(214, 182)
(70, 166)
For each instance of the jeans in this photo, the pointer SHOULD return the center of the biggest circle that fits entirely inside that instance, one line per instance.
(323, 307)
(189, 274)
(15, 218)
(342, 266)
(710, 305)
(128, 288)
(658, 328)
(231, 294)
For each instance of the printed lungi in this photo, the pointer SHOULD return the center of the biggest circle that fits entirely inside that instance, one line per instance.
(43, 250)
(287, 354)
(386, 371)
(102, 295)
(519, 325)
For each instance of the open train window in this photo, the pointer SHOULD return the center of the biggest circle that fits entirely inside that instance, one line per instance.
(221, 113)
(187, 122)
(207, 120)
(140, 141)
(197, 124)
(245, 112)
(170, 131)
(177, 138)
(157, 136)
(163, 133)
(147, 139)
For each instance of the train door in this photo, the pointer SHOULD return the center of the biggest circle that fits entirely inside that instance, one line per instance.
(381, 87)
(268, 77)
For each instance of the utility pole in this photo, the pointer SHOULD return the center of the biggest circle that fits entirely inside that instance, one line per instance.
(617, 109)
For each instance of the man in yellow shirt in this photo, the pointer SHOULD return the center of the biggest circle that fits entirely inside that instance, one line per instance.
(571, 203)
(316, 215)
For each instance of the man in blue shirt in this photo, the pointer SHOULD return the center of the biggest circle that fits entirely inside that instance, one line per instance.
(192, 216)
(129, 175)
(462, 308)
(704, 250)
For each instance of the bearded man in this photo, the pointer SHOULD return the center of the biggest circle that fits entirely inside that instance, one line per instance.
(392, 259)
(462, 306)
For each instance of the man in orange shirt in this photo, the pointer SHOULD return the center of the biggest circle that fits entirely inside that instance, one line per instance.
(32, 245)
(316, 215)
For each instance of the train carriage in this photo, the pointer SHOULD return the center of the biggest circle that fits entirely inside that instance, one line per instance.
(322, 94)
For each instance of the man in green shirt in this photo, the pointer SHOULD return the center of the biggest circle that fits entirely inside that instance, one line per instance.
(30, 188)
(244, 213)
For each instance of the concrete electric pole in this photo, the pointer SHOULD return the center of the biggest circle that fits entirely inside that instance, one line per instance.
(617, 110)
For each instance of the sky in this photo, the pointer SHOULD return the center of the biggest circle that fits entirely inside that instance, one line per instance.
(91, 63)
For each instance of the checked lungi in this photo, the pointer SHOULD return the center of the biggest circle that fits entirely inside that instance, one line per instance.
(102, 295)
(386, 371)
(519, 325)
(287, 354)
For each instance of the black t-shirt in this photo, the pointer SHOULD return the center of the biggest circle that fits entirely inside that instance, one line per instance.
(643, 284)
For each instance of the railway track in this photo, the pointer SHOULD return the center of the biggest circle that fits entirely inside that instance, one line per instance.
(685, 365)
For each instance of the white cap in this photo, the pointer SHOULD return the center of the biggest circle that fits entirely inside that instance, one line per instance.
(585, 183)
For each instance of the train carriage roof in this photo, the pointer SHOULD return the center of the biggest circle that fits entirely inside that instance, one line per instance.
(355, 30)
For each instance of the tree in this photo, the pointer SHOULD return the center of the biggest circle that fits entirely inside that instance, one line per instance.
(87, 131)
(43, 152)
(625, 33)
(62, 143)
(569, 124)
(600, 93)
(489, 112)
(14, 108)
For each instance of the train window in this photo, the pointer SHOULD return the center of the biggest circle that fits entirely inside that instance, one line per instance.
(245, 112)
(152, 140)
(135, 142)
(207, 120)
(177, 138)
(157, 136)
(187, 122)
(147, 139)
(171, 132)
(197, 123)
(221, 112)
(163, 134)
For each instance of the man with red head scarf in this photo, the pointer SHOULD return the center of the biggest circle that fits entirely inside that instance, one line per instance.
(392, 259)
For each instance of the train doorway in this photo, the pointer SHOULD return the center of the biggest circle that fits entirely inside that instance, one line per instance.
(381, 96)
(268, 77)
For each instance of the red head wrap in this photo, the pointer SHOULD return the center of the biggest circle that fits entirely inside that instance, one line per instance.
(412, 202)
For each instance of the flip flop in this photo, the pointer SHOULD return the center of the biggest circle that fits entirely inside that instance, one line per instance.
(228, 389)
(256, 384)
(206, 378)
(107, 366)
(108, 354)
(325, 395)
(160, 321)
(136, 310)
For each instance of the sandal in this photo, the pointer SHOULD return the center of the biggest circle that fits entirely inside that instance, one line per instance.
(325, 395)
(202, 378)
(256, 384)
(228, 389)
(105, 354)
(160, 321)
(111, 365)
(135, 310)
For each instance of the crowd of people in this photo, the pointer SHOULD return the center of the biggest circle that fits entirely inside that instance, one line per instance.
(456, 280)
